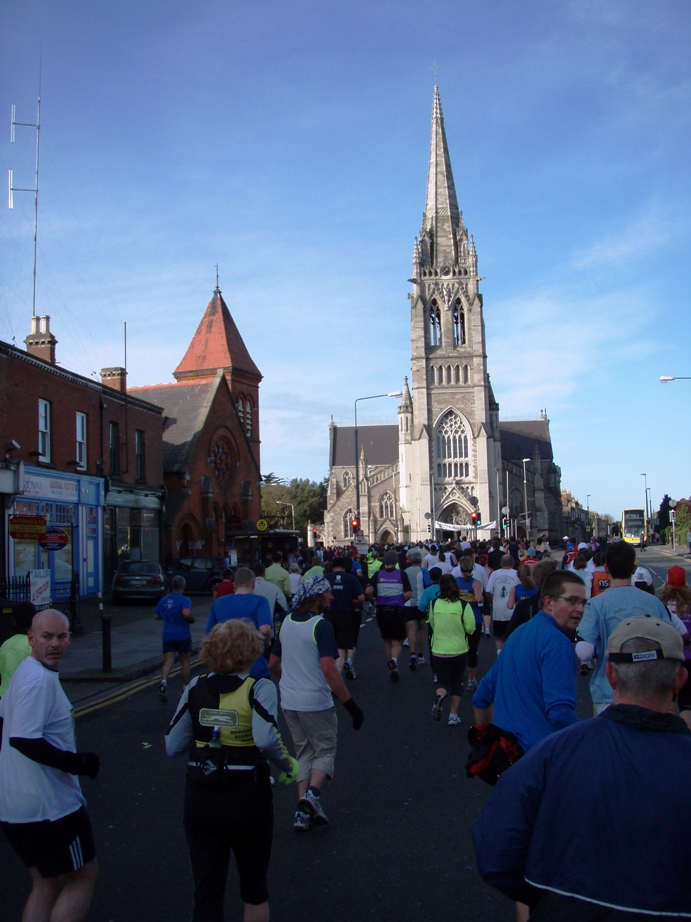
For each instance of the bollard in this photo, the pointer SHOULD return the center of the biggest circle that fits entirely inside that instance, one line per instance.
(105, 635)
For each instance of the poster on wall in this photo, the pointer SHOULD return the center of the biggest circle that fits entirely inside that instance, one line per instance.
(39, 581)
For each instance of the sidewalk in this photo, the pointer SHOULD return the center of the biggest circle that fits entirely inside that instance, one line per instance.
(135, 643)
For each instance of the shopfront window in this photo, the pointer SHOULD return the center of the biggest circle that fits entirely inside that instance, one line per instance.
(137, 534)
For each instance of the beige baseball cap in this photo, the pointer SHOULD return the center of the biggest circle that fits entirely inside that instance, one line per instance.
(647, 628)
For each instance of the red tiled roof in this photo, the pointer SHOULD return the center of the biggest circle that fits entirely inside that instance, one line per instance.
(216, 344)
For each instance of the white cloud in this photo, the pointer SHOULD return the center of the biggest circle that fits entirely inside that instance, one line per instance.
(639, 238)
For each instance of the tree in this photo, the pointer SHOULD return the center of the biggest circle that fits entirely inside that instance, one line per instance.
(663, 514)
(307, 496)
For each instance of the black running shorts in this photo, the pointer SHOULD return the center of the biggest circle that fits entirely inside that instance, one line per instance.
(391, 622)
(54, 847)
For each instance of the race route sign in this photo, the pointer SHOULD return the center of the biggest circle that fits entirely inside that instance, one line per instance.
(27, 527)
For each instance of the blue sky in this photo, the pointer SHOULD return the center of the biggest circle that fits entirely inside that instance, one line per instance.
(288, 143)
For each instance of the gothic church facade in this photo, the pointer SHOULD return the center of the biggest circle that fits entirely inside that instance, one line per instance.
(449, 455)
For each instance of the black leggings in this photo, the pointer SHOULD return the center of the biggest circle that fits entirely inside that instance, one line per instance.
(473, 644)
(217, 820)
(450, 670)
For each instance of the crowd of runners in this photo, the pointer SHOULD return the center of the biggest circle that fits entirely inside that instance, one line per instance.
(592, 787)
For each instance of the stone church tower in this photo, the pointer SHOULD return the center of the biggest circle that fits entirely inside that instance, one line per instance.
(449, 442)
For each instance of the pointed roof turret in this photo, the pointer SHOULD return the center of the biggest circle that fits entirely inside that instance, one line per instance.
(442, 216)
(217, 344)
(407, 400)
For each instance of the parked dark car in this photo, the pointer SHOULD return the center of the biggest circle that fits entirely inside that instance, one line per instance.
(201, 573)
(139, 579)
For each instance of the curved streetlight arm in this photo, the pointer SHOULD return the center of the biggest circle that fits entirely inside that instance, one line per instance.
(292, 509)
(665, 379)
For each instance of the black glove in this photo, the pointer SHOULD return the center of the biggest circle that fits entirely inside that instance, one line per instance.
(82, 763)
(355, 713)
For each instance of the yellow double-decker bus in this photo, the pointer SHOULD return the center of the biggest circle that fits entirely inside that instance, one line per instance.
(634, 526)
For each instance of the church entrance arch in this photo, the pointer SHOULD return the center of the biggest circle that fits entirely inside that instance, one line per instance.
(455, 519)
(386, 537)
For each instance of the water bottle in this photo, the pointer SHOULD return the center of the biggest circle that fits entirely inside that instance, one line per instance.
(216, 738)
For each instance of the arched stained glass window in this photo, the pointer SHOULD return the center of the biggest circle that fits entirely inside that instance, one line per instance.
(452, 447)
(347, 520)
(387, 506)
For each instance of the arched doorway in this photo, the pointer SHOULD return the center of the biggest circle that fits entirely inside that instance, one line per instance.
(455, 520)
(386, 537)
(185, 540)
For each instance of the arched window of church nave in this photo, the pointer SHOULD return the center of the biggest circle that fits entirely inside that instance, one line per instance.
(347, 522)
(387, 506)
(448, 374)
(458, 325)
(466, 374)
(347, 479)
(457, 374)
(451, 447)
(434, 324)
(440, 374)
(432, 375)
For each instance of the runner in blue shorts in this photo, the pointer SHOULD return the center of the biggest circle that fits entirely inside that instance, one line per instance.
(175, 610)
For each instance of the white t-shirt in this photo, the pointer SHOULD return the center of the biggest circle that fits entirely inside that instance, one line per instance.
(500, 584)
(431, 560)
(444, 566)
(479, 573)
(36, 706)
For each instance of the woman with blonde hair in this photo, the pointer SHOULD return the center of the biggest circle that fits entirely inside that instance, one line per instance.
(227, 722)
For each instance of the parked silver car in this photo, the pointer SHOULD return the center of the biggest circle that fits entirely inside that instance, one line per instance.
(139, 579)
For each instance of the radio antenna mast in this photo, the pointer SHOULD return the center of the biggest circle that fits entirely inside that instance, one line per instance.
(13, 188)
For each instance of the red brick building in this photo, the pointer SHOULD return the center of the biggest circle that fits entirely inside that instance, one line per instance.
(85, 454)
(210, 439)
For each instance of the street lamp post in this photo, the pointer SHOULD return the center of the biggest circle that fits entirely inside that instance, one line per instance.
(292, 509)
(525, 498)
(665, 379)
(357, 458)
(587, 513)
(497, 471)
(645, 481)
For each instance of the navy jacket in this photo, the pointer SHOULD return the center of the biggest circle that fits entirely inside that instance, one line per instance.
(600, 811)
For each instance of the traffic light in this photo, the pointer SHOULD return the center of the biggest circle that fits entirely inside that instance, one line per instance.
(476, 519)
(356, 525)
(314, 533)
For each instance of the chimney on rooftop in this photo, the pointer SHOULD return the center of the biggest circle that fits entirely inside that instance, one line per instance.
(40, 342)
(115, 378)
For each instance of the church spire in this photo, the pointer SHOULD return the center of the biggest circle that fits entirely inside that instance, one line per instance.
(442, 219)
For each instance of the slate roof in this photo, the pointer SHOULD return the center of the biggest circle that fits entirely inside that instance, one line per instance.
(380, 444)
(519, 438)
(216, 344)
(185, 408)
